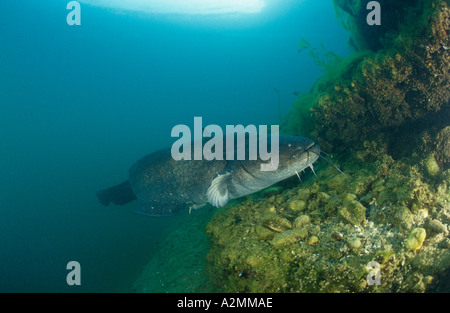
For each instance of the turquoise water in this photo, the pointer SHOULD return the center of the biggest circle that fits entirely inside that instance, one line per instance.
(80, 104)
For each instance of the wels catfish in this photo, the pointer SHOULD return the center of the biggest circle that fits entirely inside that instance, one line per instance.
(165, 187)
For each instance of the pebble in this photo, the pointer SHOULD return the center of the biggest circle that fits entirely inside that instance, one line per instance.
(301, 221)
(416, 239)
(353, 212)
(313, 240)
(354, 243)
(297, 205)
(277, 223)
(402, 214)
(437, 226)
(431, 166)
(290, 236)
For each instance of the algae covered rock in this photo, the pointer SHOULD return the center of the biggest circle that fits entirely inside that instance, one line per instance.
(301, 221)
(297, 205)
(276, 223)
(354, 243)
(443, 146)
(374, 92)
(326, 247)
(391, 207)
(416, 239)
(290, 236)
(353, 212)
(402, 214)
(313, 240)
(431, 166)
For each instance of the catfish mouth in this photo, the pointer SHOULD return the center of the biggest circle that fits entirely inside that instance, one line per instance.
(311, 153)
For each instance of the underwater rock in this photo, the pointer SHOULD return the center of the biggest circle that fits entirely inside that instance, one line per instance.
(336, 236)
(304, 193)
(297, 205)
(276, 223)
(264, 233)
(354, 243)
(301, 221)
(313, 240)
(443, 146)
(296, 259)
(402, 214)
(337, 183)
(416, 239)
(384, 89)
(290, 236)
(348, 197)
(431, 166)
(353, 212)
(401, 202)
(436, 226)
(431, 263)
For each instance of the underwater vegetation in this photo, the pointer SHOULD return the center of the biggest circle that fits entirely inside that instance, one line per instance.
(373, 92)
(384, 113)
(319, 236)
(321, 57)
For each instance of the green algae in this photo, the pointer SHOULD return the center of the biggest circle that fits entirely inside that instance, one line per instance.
(325, 253)
(179, 263)
(370, 95)
(416, 239)
(383, 113)
(431, 166)
(353, 212)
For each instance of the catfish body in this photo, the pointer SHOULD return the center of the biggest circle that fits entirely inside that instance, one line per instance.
(164, 186)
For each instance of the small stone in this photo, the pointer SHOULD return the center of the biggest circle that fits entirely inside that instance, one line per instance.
(337, 183)
(349, 197)
(378, 186)
(416, 239)
(313, 240)
(297, 205)
(323, 197)
(331, 206)
(276, 223)
(437, 226)
(431, 166)
(354, 243)
(353, 212)
(402, 214)
(314, 229)
(384, 255)
(303, 194)
(336, 236)
(264, 233)
(290, 236)
(279, 199)
(380, 217)
(314, 205)
(301, 221)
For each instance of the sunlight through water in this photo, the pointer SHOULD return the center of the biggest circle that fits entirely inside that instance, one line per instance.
(199, 7)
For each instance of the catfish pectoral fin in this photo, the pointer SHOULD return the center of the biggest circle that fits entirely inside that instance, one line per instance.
(217, 193)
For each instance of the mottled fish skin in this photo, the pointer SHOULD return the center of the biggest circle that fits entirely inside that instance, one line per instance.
(165, 187)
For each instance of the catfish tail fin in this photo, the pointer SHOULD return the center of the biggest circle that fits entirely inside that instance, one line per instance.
(120, 194)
